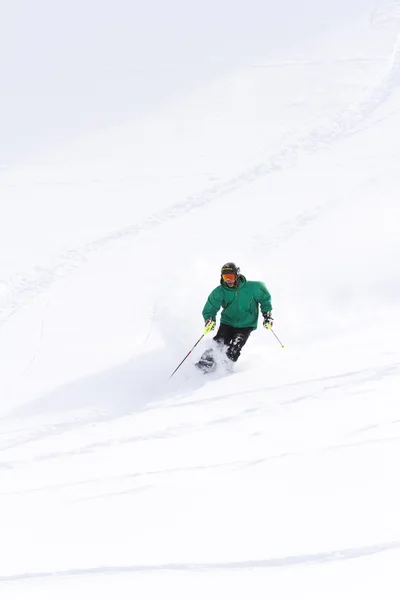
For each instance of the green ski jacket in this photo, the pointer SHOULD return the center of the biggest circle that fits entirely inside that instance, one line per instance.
(240, 305)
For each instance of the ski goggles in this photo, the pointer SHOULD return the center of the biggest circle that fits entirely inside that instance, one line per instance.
(228, 277)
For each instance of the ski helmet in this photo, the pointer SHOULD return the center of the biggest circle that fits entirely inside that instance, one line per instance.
(230, 269)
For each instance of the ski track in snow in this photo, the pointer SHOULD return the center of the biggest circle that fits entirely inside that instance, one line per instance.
(386, 12)
(22, 289)
(233, 465)
(287, 561)
(325, 384)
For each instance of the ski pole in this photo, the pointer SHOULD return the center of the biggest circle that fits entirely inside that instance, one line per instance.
(269, 326)
(190, 351)
(209, 327)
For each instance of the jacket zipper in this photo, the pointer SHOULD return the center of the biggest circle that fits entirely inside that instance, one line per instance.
(238, 311)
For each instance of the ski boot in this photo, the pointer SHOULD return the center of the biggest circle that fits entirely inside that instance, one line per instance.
(206, 364)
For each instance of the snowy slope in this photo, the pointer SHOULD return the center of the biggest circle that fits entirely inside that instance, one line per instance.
(280, 478)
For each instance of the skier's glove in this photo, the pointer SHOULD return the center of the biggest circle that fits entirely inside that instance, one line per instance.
(268, 320)
(209, 325)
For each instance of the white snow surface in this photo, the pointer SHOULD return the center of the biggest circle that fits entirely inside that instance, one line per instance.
(276, 480)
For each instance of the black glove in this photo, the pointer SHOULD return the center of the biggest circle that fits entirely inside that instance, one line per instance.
(268, 320)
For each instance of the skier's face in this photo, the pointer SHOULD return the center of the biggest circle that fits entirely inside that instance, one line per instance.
(229, 279)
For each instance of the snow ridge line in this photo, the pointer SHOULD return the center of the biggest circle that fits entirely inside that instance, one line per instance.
(23, 289)
(287, 561)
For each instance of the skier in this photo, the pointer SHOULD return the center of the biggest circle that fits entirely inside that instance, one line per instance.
(240, 300)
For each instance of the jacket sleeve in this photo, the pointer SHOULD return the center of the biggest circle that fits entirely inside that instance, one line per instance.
(263, 297)
(213, 304)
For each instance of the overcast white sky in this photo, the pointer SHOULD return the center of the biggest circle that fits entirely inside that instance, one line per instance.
(67, 67)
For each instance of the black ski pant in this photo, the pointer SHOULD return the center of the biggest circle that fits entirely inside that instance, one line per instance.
(234, 338)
